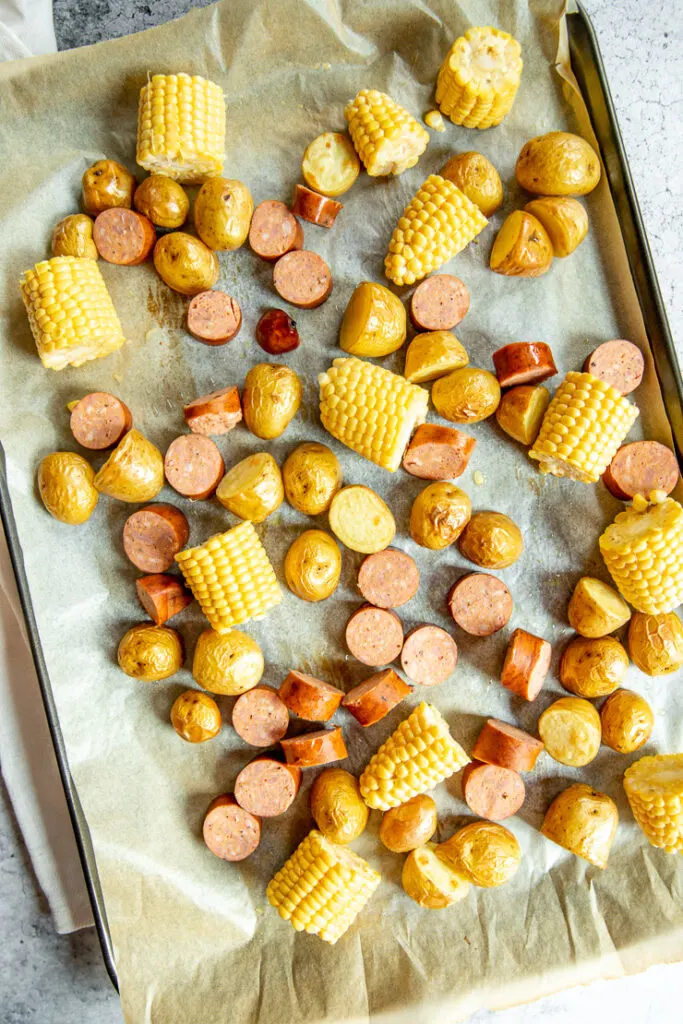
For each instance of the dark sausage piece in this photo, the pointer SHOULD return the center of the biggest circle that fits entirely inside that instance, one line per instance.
(274, 230)
(523, 362)
(313, 207)
(480, 604)
(230, 832)
(153, 536)
(388, 578)
(123, 237)
(260, 717)
(429, 655)
(267, 787)
(619, 363)
(276, 332)
(302, 278)
(439, 303)
(193, 466)
(215, 413)
(374, 635)
(100, 420)
(213, 317)
(162, 596)
(640, 468)
(438, 453)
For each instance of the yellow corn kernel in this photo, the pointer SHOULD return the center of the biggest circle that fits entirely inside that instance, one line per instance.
(479, 78)
(70, 312)
(643, 552)
(370, 409)
(437, 224)
(181, 128)
(387, 138)
(582, 429)
(654, 787)
(434, 120)
(231, 577)
(322, 887)
(418, 755)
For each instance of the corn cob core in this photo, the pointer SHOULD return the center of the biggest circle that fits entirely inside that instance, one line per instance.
(582, 429)
(70, 312)
(181, 128)
(387, 138)
(654, 787)
(437, 224)
(643, 551)
(231, 577)
(418, 755)
(479, 78)
(370, 409)
(322, 887)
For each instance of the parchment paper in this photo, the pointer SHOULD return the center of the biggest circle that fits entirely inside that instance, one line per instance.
(195, 939)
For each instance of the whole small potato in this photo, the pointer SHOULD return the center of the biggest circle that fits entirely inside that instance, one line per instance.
(593, 667)
(521, 412)
(66, 485)
(558, 164)
(374, 322)
(439, 515)
(337, 807)
(409, 825)
(311, 476)
(163, 201)
(195, 716)
(73, 237)
(313, 565)
(107, 184)
(431, 881)
(491, 540)
(655, 643)
(185, 264)
(476, 176)
(433, 354)
(596, 609)
(222, 213)
(271, 399)
(627, 721)
(486, 853)
(565, 220)
(571, 731)
(150, 652)
(522, 247)
(227, 663)
(134, 471)
(584, 822)
(467, 395)
(253, 488)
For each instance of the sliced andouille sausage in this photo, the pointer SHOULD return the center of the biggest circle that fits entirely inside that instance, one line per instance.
(267, 786)
(640, 468)
(274, 230)
(123, 237)
(523, 362)
(310, 698)
(439, 303)
(162, 596)
(154, 535)
(215, 413)
(100, 420)
(374, 635)
(507, 746)
(429, 655)
(302, 278)
(492, 792)
(619, 363)
(230, 832)
(388, 578)
(314, 208)
(374, 698)
(193, 466)
(480, 604)
(214, 317)
(315, 748)
(526, 664)
(260, 717)
(276, 332)
(438, 453)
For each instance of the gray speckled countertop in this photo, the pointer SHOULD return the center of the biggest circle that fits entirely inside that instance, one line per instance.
(50, 979)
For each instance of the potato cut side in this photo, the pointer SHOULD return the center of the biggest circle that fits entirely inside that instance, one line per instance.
(430, 881)
(433, 354)
(571, 731)
(361, 520)
(583, 821)
(521, 412)
(595, 609)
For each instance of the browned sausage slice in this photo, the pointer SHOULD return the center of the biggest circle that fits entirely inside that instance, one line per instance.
(230, 832)
(214, 317)
(267, 787)
(193, 466)
(123, 236)
(302, 278)
(100, 420)
(480, 604)
(439, 303)
(374, 635)
(492, 792)
(523, 362)
(429, 655)
(153, 536)
(260, 717)
(388, 578)
(274, 230)
(619, 363)
(507, 746)
(162, 596)
(526, 664)
(215, 413)
(438, 453)
(310, 698)
(315, 748)
(640, 468)
(313, 207)
(374, 698)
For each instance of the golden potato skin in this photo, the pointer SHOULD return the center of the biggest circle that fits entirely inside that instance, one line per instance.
(134, 471)
(627, 721)
(409, 825)
(337, 807)
(253, 488)
(476, 176)
(66, 486)
(430, 880)
(374, 322)
(433, 354)
(150, 652)
(521, 411)
(584, 822)
(593, 667)
(222, 213)
(195, 717)
(185, 264)
(439, 515)
(558, 164)
(467, 395)
(571, 731)
(655, 643)
(227, 663)
(163, 201)
(565, 220)
(311, 476)
(491, 540)
(107, 184)
(486, 853)
(271, 399)
(72, 236)
(596, 609)
(522, 247)
(313, 565)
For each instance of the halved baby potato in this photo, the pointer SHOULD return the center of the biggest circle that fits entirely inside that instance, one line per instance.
(433, 354)
(361, 520)
(595, 609)
(522, 247)
(565, 220)
(521, 412)
(430, 881)
(253, 488)
(330, 164)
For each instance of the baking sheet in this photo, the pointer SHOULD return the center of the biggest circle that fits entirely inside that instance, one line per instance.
(194, 938)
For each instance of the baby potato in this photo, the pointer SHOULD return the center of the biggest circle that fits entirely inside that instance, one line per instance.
(163, 201)
(593, 667)
(491, 540)
(311, 476)
(655, 643)
(361, 520)
(409, 825)
(627, 721)
(271, 399)
(227, 663)
(222, 213)
(313, 566)
(134, 471)
(565, 220)
(584, 822)
(431, 881)
(439, 515)
(330, 164)
(253, 488)
(477, 178)
(337, 807)
(107, 184)
(185, 264)
(558, 164)
(486, 853)
(596, 609)
(195, 716)
(374, 322)
(150, 652)
(522, 247)
(467, 395)
(73, 237)
(571, 731)
(433, 354)
(521, 411)
(66, 485)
